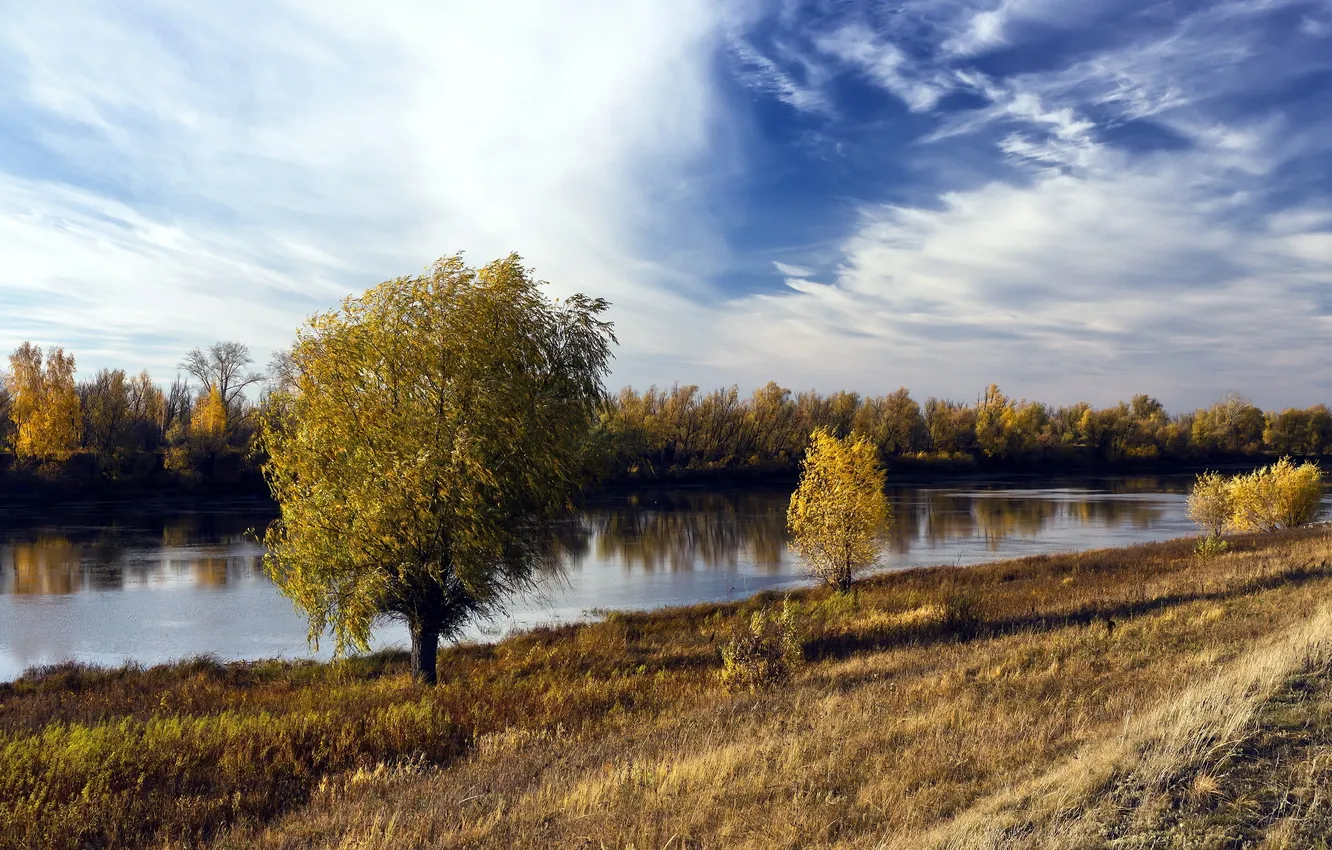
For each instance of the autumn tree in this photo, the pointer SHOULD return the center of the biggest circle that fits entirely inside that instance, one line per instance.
(437, 427)
(839, 512)
(1233, 425)
(1281, 495)
(223, 368)
(1210, 505)
(45, 403)
(208, 421)
(951, 425)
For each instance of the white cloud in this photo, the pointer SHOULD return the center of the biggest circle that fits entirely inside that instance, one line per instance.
(766, 75)
(886, 64)
(792, 271)
(1095, 270)
(1104, 285)
(178, 174)
(212, 172)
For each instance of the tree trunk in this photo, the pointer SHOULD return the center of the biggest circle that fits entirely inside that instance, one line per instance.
(425, 649)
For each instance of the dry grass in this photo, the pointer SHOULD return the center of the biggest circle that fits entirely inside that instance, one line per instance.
(1073, 700)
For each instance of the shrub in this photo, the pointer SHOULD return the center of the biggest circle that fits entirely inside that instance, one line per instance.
(763, 653)
(1282, 495)
(1210, 503)
(960, 614)
(1209, 546)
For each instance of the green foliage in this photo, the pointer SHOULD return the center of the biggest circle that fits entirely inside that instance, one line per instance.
(838, 513)
(762, 653)
(437, 426)
(1209, 546)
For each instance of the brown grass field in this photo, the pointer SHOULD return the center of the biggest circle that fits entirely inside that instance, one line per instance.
(1126, 698)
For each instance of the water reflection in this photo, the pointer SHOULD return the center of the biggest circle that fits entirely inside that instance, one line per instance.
(666, 531)
(682, 530)
(156, 582)
(81, 555)
(686, 530)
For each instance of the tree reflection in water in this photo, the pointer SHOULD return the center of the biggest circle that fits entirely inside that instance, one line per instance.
(203, 550)
(684, 530)
(679, 530)
(649, 531)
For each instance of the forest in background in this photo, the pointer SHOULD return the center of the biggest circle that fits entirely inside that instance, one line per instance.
(116, 429)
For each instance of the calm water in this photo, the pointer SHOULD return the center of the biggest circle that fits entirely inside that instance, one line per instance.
(155, 582)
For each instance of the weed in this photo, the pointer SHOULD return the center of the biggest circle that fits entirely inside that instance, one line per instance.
(762, 653)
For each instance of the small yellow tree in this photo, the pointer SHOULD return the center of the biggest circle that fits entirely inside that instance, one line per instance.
(1209, 503)
(839, 512)
(208, 422)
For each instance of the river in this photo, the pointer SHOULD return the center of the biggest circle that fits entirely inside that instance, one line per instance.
(156, 581)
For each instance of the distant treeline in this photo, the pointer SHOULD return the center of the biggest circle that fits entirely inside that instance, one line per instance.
(682, 431)
(119, 429)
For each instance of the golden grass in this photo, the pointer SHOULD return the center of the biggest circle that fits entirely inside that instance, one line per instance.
(1053, 701)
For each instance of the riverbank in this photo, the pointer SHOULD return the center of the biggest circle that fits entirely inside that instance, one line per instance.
(1064, 700)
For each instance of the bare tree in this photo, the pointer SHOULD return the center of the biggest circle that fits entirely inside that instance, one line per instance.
(178, 406)
(6, 407)
(222, 368)
(282, 372)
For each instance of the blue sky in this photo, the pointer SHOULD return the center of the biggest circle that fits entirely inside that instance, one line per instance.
(1078, 200)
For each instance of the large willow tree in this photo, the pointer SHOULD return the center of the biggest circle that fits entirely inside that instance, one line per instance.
(435, 428)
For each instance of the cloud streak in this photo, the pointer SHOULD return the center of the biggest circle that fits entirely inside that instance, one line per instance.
(208, 173)
(1135, 231)
(1076, 200)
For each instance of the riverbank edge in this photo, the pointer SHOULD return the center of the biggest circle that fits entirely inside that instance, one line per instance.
(662, 662)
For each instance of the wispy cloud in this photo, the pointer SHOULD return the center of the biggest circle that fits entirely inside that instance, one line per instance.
(201, 172)
(1098, 263)
(1071, 198)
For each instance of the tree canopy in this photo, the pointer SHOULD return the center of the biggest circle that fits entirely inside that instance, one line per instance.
(44, 403)
(433, 429)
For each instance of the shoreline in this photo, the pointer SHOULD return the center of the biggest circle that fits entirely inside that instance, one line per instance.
(976, 687)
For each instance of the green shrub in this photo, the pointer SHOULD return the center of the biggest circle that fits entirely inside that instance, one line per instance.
(1209, 546)
(763, 653)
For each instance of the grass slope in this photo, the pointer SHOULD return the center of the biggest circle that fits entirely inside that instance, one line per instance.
(1121, 698)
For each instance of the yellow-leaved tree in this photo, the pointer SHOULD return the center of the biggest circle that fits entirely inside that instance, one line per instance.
(208, 420)
(44, 403)
(433, 430)
(839, 513)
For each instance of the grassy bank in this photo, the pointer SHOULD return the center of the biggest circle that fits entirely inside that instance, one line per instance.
(1130, 697)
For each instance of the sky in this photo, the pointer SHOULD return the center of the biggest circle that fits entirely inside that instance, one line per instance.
(1079, 200)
